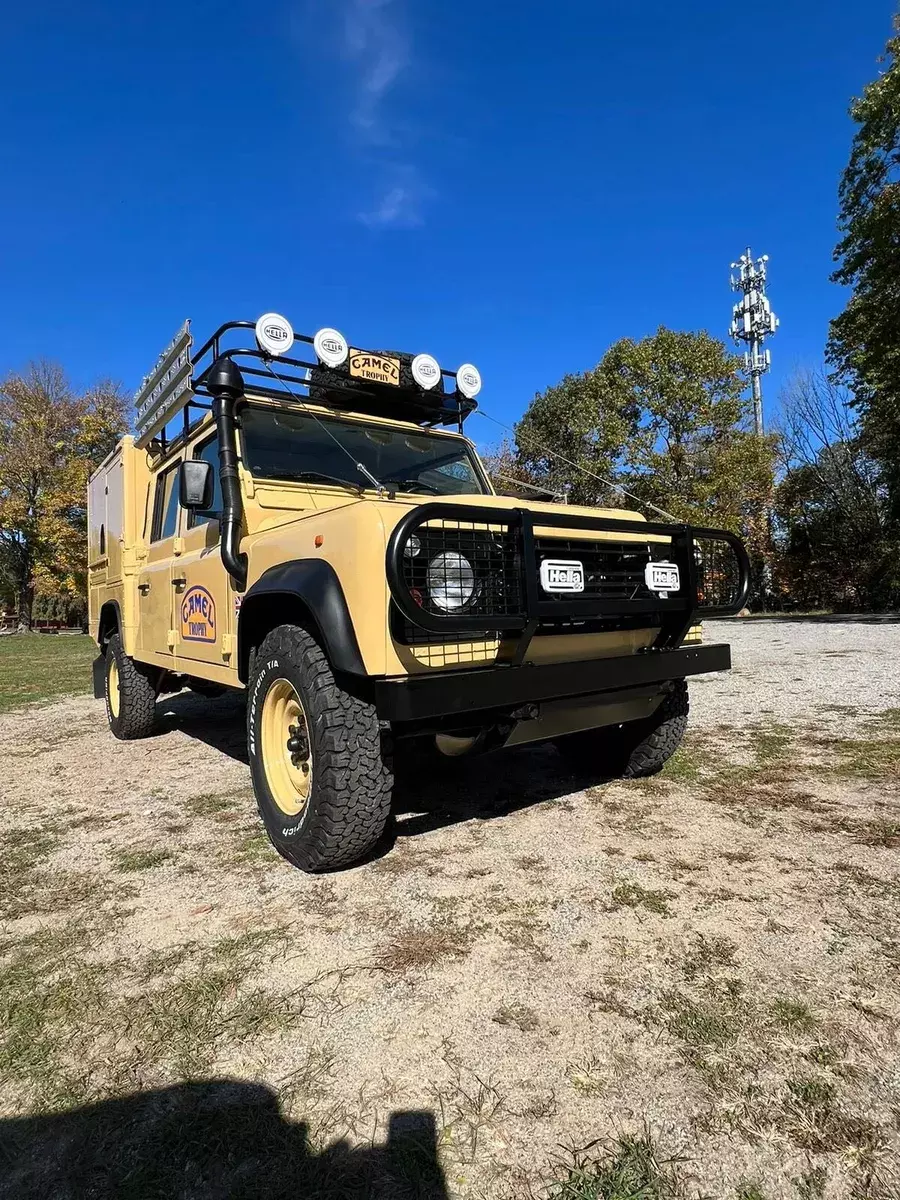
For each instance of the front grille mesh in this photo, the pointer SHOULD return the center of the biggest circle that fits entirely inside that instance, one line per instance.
(612, 570)
(491, 569)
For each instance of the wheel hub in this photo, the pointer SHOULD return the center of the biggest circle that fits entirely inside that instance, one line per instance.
(285, 743)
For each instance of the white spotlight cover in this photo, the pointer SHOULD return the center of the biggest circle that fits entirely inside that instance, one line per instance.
(331, 347)
(468, 380)
(426, 371)
(274, 333)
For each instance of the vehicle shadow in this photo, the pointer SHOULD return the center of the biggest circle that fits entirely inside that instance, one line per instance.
(430, 792)
(219, 723)
(209, 1140)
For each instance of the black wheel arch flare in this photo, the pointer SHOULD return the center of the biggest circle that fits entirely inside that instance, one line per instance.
(313, 583)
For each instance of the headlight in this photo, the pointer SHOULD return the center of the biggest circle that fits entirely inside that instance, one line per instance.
(451, 580)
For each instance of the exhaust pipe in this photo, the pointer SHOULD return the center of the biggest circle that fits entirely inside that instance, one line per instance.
(226, 385)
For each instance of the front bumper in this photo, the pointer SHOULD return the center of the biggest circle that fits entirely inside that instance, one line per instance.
(488, 689)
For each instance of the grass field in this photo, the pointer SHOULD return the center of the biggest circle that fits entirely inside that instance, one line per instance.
(43, 666)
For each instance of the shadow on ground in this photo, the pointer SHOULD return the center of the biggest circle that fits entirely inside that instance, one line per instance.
(209, 1140)
(430, 792)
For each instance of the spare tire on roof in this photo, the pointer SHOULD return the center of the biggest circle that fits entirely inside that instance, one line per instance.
(337, 388)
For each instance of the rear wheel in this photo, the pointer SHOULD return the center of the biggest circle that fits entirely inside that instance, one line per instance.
(321, 778)
(130, 693)
(635, 749)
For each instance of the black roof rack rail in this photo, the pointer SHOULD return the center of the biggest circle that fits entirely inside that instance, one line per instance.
(176, 382)
(332, 387)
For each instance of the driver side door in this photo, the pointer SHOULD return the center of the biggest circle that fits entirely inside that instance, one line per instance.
(204, 596)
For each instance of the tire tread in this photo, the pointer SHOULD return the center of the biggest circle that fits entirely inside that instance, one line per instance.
(137, 695)
(353, 783)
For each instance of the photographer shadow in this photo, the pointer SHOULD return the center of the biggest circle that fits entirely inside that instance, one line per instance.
(209, 1140)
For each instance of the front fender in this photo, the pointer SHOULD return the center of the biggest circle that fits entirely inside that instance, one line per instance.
(312, 584)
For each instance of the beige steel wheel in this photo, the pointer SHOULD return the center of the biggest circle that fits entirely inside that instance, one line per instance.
(286, 751)
(115, 698)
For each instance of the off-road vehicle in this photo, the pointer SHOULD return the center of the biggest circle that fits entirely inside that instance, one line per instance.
(317, 531)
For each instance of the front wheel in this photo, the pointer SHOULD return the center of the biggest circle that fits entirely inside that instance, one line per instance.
(322, 782)
(637, 748)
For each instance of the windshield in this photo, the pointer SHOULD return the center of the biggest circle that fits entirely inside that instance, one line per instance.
(295, 446)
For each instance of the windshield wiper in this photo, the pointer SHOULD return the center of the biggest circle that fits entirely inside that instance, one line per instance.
(322, 477)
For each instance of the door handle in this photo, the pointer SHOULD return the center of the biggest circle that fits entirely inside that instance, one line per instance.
(144, 588)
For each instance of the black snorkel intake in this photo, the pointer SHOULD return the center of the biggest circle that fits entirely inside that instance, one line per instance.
(226, 385)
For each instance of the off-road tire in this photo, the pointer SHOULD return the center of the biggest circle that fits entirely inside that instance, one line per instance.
(137, 694)
(349, 800)
(635, 749)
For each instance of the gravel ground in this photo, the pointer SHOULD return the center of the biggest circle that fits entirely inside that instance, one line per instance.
(533, 959)
(785, 669)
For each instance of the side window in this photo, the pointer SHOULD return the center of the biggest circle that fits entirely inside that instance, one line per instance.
(209, 452)
(165, 505)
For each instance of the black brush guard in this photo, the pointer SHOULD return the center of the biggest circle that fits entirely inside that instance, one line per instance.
(713, 565)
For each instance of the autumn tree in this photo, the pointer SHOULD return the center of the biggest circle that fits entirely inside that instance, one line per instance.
(666, 418)
(836, 545)
(864, 342)
(51, 437)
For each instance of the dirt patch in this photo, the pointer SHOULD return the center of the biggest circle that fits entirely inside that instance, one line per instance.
(695, 976)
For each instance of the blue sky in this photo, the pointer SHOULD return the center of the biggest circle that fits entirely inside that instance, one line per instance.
(516, 184)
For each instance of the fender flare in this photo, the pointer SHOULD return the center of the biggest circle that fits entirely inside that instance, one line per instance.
(315, 584)
(113, 603)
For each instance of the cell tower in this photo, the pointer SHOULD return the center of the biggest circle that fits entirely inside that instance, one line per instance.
(753, 322)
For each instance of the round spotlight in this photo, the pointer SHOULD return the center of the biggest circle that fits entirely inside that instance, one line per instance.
(426, 371)
(331, 347)
(274, 333)
(468, 380)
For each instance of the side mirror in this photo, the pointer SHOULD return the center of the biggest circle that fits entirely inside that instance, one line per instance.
(195, 484)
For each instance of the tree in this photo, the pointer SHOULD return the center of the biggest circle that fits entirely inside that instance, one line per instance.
(50, 439)
(864, 341)
(666, 418)
(835, 543)
(580, 421)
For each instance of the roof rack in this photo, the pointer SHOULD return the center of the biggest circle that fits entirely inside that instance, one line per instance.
(180, 377)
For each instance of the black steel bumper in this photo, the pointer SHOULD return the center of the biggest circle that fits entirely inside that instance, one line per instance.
(465, 693)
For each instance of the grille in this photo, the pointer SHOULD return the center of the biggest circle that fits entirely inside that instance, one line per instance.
(612, 570)
(718, 573)
(464, 559)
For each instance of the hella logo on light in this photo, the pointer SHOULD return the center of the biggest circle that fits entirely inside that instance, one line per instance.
(331, 347)
(274, 333)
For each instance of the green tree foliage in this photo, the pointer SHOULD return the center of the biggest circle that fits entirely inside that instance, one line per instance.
(51, 437)
(864, 343)
(665, 417)
(836, 547)
(583, 421)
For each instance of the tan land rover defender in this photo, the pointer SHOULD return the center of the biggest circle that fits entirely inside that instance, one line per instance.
(315, 529)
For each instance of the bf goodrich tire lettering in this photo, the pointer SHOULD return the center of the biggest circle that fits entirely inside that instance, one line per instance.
(349, 797)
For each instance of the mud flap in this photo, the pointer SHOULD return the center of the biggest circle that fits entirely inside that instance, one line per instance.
(98, 674)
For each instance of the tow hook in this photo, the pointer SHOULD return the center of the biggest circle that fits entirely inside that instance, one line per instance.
(526, 712)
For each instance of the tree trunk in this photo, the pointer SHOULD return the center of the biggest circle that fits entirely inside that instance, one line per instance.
(25, 605)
